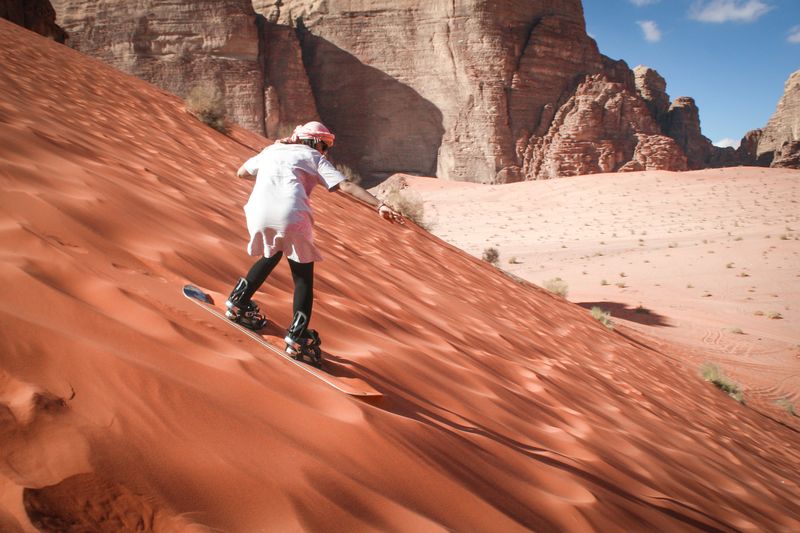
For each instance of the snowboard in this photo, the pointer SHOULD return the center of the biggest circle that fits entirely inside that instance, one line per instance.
(352, 386)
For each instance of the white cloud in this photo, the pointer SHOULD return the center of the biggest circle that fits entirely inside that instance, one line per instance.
(794, 35)
(728, 10)
(640, 3)
(726, 142)
(651, 32)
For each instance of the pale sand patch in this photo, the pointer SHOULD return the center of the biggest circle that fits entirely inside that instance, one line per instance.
(708, 253)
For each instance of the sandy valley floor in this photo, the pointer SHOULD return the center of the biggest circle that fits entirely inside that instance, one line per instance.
(709, 259)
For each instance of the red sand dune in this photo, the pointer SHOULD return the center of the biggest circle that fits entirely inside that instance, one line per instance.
(123, 405)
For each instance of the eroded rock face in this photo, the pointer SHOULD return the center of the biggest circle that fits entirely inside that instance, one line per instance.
(653, 89)
(176, 46)
(604, 127)
(36, 15)
(443, 88)
(288, 100)
(782, 132)
(466, 90)
(682, 123)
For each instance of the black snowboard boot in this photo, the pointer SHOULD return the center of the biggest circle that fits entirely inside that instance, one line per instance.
(302, 343)
(244, 312)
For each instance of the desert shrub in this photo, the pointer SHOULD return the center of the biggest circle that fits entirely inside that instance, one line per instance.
(351, 175)
(557, 286)
(714, 375)
(406, 202)
(491, 255)
(602, 316)
(774, 315)
(206, 102)
(514, 261)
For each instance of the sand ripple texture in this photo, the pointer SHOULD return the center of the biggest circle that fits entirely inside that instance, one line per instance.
(124, 407)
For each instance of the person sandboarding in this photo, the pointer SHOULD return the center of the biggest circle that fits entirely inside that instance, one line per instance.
(280, 222)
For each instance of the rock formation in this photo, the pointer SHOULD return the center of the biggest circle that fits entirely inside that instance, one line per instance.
(36, 15)
(780, 138)
(604, 127)
(288, 99)
(653, 89)
(467, 90)
(176, 46)
(682, 123)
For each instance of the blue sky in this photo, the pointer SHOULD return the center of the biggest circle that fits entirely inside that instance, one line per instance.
(731, 56)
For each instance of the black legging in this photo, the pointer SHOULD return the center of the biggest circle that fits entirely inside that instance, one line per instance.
(302, 275)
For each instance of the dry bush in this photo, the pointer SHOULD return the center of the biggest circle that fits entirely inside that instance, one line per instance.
(407, 203)
(351, 175)
(491, 255)
(205, 101)
(602, 316)
(557, 286)
(713, 374)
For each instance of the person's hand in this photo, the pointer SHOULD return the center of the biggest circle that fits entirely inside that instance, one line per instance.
(387, 213)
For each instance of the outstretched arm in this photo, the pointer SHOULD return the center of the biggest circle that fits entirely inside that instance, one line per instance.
(356, 191)
(243, 173)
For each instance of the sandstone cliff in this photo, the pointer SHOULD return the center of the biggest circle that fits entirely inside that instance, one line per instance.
(780, 138)
(36, 15)
(466, 90)
(178, 45)
(175, 45)
(439, 88)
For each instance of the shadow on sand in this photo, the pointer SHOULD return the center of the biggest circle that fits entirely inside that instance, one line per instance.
(640, 315)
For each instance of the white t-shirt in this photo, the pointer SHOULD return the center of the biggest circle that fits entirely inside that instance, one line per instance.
(279, 215)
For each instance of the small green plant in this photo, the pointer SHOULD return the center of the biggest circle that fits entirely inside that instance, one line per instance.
(491, 255)
(774, 315)
(602, 316)
(714, 375)
(788, 406)
(557, 286)
(205, 101)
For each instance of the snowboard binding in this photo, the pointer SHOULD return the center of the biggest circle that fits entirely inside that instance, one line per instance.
(303, 344)
(241, 311)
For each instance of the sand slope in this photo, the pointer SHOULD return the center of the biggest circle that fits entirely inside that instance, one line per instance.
(124, 405)
(709, 260)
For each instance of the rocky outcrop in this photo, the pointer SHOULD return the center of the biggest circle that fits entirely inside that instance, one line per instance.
(780, 136)
(653, 89)
(439, 88)
(288, 100)
(176, 46)
(604, 127)
(682, 123)
(466, 90)
(254, 63)
(36, 15)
